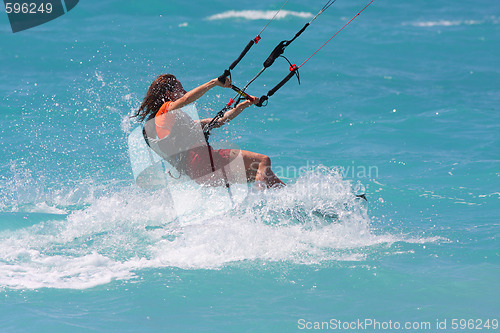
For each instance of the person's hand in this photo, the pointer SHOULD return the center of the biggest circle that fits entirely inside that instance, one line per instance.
(251, 101)
(226, 84)
(254, 100)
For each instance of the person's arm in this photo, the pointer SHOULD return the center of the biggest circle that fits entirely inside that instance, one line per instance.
(196, 93)
(231, 114)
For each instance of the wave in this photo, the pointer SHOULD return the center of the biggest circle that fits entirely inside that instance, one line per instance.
(446, 23)
(257, 15)
(314, 220)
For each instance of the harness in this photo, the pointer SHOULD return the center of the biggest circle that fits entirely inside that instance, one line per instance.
(177, 159)
(175, 147)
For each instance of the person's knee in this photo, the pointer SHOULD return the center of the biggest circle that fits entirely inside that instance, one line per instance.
(260, 161)
(265, 160)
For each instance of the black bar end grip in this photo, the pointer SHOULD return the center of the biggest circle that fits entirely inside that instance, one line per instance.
(262, 99)
(282, 83)
(247, 48)
(222, 78)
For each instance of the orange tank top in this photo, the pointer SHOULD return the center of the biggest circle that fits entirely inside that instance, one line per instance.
(164, 121)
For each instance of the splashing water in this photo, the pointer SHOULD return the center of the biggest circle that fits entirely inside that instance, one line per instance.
(313, 220)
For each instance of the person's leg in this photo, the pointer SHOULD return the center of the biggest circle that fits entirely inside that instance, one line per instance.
(258, 168)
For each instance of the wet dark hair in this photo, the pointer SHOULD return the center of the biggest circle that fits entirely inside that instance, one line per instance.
(158, 93)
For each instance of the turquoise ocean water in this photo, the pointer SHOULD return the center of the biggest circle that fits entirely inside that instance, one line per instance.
(403, 105)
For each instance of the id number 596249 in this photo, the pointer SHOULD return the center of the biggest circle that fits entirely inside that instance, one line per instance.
(28, 8)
